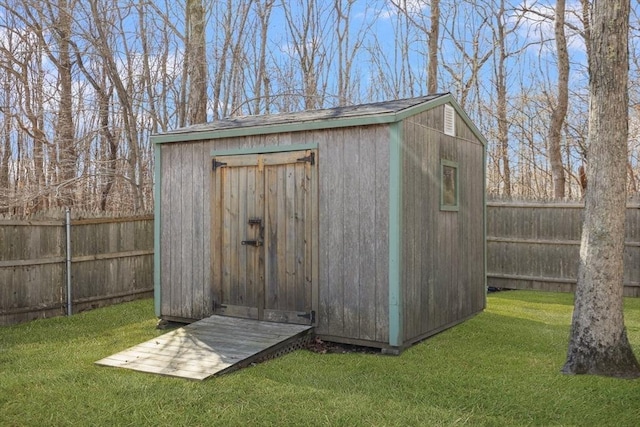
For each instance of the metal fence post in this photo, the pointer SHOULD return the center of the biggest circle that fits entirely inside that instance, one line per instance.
(68, 228)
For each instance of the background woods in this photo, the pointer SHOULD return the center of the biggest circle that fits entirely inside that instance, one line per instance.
(84, 83)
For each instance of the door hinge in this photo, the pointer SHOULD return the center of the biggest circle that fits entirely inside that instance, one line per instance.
(311, 158)
(216, 164)
(310, 315)
(217, 306)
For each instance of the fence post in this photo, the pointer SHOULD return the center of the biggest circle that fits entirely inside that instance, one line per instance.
(68, 232)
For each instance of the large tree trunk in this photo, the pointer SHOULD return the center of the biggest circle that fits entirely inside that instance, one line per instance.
(197, 54)
(560, 109)
(598, 342)
(501, 100)
(65, 128)
(434, 48)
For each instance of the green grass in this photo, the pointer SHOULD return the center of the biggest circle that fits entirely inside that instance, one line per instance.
(501, 368)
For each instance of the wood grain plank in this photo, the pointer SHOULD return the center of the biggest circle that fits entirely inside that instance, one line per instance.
(312, 232)
(252, 233)
(382, 233)
(291, 233)
(207, 228)
(185, 283)
(205, 348)
(175, 242)
(368, 257)
(410, 228)
(166, 245)
(351, 232)
(272, 243)
(333, 181)
(227, 247)
(199, 263)
(234, 237)
(303, 241)
(244, 252)
(217, 236)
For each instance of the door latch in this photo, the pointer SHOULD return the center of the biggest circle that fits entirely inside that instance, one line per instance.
(255, 243)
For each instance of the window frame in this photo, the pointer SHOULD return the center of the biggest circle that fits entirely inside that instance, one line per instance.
(444, 163)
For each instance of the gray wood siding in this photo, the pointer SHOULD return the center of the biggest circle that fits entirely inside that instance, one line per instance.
(354, 210)
(352, 265)
(185, 226)
(442, 252)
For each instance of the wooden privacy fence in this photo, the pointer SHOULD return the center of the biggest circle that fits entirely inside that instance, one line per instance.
(537, 246)
(111, 260)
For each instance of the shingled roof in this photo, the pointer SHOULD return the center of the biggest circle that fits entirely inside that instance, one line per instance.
(353, 115)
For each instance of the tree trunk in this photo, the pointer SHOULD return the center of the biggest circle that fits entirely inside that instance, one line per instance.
(598, 341)
(198, 76)
(560, 110)
(65, 129)
(501, 100)
(434, 34)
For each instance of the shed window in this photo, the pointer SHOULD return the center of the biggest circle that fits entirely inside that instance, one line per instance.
(448, 185)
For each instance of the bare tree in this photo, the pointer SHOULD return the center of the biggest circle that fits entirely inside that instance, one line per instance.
(196, 58)
(102, 25)
(559, 110)
(262, 87)
(464, 28)
(348, 50)
(598, 341)
(500, 83)
(24, 50)
(231, 21)
(413, 12)
(308, 31)
(65, 133)
(434, 34)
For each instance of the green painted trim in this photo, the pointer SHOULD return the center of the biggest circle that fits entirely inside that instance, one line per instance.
(195, 135)
(484, 219)
(157, 183)
(395, 236)
(261, 150)
(443, 207)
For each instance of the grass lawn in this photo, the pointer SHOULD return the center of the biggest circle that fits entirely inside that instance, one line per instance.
(500, 368)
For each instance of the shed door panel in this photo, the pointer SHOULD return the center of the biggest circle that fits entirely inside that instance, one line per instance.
(237, 267)
(265, 201)
(288, 243)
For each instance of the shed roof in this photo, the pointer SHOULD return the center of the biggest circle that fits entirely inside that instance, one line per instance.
(354, 115)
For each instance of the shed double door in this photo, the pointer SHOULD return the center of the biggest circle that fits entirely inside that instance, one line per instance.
(262, 236)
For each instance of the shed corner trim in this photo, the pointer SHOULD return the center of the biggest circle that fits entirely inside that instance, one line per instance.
(395, 226)
(157, 182)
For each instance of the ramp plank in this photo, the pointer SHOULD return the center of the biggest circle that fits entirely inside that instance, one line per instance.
(208, 347)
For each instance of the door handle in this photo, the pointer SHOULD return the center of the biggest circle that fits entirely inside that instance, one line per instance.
(255, 243)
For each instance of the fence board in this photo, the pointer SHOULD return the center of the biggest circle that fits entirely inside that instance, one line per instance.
(112, 261)
(537, 246)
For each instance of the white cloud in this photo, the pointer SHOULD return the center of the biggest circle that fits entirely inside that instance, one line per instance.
(413, 7)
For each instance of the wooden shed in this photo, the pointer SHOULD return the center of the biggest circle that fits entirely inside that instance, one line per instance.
(367, 221)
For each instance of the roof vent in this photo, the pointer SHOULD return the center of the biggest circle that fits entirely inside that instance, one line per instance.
(449, 120)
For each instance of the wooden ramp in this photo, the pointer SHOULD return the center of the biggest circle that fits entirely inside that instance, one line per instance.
(211, 346)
